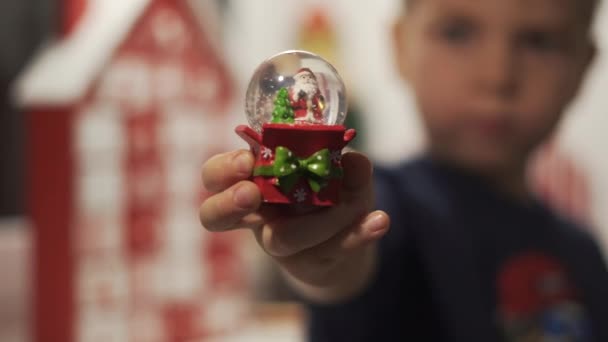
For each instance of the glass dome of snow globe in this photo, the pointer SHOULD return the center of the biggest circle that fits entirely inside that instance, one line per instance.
(296, 106)
(298, 88)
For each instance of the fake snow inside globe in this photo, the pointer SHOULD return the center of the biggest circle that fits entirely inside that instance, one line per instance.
(295, 106)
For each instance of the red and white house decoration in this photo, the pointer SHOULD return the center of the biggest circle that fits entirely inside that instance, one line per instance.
(121, 112)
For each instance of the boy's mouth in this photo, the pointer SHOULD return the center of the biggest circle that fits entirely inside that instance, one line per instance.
(495, 128)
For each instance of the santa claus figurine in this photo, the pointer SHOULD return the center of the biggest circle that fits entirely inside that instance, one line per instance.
(305, 97)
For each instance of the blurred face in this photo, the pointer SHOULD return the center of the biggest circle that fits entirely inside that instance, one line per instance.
(492, 77)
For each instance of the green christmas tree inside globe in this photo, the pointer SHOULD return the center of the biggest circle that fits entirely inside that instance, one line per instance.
(283, 112)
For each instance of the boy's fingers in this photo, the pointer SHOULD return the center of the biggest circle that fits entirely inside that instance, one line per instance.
(223, 170)
(226, 209)
(368, 231)
(291, 234)
(372, 228)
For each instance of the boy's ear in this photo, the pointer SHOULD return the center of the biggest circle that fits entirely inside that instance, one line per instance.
(590, 55)
(399, 36)
(588, 58)
(585, 65)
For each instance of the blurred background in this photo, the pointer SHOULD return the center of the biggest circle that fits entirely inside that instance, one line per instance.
(108, 110)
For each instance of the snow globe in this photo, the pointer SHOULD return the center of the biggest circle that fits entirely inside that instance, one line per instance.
(296, 107)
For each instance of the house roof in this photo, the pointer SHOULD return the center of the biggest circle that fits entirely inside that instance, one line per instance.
(63, 70)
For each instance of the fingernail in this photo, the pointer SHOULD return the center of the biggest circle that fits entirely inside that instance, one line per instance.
(375, 223)
(243, 162)
(243, 198)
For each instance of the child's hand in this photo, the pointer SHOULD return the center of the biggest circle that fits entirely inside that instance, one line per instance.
(328, 253)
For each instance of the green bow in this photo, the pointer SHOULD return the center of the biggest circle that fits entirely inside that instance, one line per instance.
(289, 169)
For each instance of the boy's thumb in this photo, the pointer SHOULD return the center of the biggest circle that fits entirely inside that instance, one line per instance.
(357, 171)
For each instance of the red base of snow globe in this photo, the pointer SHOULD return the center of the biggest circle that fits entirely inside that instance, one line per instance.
(298, 163)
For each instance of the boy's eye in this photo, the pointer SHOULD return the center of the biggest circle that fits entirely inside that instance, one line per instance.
(457, 32)
(540, 41)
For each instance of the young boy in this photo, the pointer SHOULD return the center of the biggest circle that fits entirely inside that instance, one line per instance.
(471, 255)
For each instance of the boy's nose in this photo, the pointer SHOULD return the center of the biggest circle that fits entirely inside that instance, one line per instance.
(496, 69)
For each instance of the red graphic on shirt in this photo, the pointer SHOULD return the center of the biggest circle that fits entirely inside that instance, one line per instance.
(538, 302)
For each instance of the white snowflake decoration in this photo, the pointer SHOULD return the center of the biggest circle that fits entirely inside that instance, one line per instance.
(266, 153)
(335, 156)
(300, 195)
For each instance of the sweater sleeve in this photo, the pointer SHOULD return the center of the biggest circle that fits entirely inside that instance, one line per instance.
(377, 314)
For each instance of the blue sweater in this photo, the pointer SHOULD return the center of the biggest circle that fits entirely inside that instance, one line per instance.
(463, 263)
